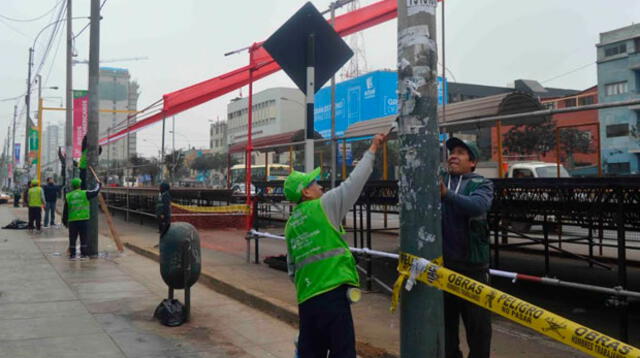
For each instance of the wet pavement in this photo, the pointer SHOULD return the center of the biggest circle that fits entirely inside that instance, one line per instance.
(54, 307)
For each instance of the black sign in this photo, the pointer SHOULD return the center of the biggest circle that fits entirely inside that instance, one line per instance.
(288, 46)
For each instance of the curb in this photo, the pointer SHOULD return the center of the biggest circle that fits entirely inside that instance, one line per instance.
(275, 308)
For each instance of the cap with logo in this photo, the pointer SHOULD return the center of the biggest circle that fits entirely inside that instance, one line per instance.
(474, 152)
(296, 181)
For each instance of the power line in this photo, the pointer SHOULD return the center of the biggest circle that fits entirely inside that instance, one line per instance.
(13, 28)
(569, 72)
(87, 25)
(33, 19)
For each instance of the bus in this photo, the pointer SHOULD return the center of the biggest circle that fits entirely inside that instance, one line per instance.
(274, 172)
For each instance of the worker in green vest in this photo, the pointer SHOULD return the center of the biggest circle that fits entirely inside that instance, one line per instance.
(76, 214)
(35, 200)
(319, 260)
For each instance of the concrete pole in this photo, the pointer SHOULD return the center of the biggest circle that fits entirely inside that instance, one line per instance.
(422, 316)
(93, 129)
(13, 147)
(163, 165)
(27, 163)
(333, 111)
(68, 129)
(311, 77)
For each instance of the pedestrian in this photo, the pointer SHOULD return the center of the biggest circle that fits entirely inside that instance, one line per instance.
(16, 196)
(319, 261)
(466, 198)
(35, 200)
(76, 215)
(163, 208)
(51, 191)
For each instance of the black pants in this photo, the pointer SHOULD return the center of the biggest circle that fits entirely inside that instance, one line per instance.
(326, 325)
(477, 323)
(35, 215)
(78, 228)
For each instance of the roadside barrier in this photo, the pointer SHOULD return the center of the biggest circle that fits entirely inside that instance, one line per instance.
(412, 269)
(244, 209)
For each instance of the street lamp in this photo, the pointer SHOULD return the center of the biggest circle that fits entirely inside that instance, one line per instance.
(185, 137)
(294, 101)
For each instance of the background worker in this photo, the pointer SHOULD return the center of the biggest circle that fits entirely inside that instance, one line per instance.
(51, 191)
(77, 213)
(35, 200)
(466, 199)
(319, 259)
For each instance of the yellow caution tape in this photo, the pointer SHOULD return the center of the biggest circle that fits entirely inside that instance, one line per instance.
(214, 209)
(550, 324)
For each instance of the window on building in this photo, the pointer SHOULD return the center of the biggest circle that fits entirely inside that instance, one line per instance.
(587, 100)
(615, 49)
(617, 130)
(637, 44)
(570, 102)
(616, 88)
(550, 105)
(619, 168)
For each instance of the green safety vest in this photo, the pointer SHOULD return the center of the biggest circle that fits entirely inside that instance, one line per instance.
(78, 205)
(479, 251)
(35, 197)
(82, 164)
(321, 257)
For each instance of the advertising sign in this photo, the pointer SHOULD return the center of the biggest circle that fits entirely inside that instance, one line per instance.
(80, 120)
(16, 152)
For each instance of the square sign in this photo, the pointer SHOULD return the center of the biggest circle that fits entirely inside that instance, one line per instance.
(288, 47)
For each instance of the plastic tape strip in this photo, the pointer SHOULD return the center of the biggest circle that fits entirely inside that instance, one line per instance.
(213, 209)
(550, 324)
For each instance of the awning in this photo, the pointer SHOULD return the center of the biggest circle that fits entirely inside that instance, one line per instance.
(273, 143)
(467, 111)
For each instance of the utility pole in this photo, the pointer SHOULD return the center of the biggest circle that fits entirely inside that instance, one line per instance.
(68, 127)
(422, 316)
(39, 152)
(94, 123)
(13, 147)
(27, 164)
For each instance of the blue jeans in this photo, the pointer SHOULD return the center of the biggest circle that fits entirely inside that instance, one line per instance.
(50, 207)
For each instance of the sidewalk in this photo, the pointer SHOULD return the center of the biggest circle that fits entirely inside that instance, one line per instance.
(224, 268)
(53, 307)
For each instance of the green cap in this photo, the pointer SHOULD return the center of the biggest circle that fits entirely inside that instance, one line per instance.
(474, 152)
(35, 182)
(76, 182)
(296, 181)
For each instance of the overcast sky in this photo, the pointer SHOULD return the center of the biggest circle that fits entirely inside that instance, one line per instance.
(491, 42)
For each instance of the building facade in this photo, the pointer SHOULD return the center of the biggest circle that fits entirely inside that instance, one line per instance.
(619, 80)
(52, 138)
(120, 95)
(218, 137)
(275, 110)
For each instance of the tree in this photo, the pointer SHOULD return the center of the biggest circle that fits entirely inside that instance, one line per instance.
(176, 166)
(144, 166)
(541, 138)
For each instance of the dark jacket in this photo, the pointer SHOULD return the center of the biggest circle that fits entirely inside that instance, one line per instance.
(163, 207)
(51, 192)
(457, 210)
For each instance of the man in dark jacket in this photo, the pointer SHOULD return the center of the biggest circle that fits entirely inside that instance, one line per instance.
(163, 208)
(466, 199)
(51, 191)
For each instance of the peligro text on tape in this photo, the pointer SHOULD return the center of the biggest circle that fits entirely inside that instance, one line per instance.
(550, 324)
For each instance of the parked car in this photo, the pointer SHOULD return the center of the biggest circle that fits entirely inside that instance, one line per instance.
(4, 198)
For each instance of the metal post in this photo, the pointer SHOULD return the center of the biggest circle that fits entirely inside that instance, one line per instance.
(308, 144)
(344, 160)
(622, 265)
(93, 127)
(13, 147)
(68, 129)
(422, 314)
(162, 150)
(39, 155)
(27, 163)
(249, 148)
(557, 135)
(500, 150)
(334, 143)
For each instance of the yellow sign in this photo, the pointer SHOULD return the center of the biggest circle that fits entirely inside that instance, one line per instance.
(550, 324)
(214, 209)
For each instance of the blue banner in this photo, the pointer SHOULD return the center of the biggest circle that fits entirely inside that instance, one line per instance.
(16, 152)
(359, 99)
